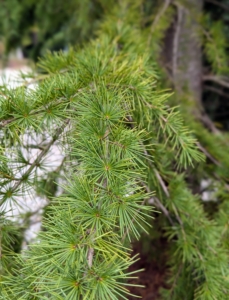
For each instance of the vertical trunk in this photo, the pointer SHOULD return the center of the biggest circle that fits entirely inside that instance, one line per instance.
(182, 51)
(187, 58)
(182, 54)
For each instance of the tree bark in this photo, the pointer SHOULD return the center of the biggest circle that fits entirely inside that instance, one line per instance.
(182, 51)
(182, 54)
(187, 57)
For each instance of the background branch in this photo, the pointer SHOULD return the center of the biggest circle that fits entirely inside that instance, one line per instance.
(218, 3)
(41, 155)
(217, 79)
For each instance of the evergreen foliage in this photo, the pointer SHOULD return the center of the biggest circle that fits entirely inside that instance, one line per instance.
(126, 146)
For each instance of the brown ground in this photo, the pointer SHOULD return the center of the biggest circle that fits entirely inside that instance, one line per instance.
(153, 261)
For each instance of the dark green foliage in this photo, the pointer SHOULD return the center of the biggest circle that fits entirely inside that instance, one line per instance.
(40, 25)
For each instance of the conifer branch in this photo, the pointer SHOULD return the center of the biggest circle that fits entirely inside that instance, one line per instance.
(41, 155)
(162, 184)
(164, 188)
(156, 202)
(80, 253)
(132, 221)
(32, 113)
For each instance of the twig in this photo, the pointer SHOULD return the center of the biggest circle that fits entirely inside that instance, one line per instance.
(157, 18)
(159, 178)
(208, 154)
(158, 204)
(223, 6)
(42, 153)
(35, 80)
(157, 201)
(214, 161)
(165, 191)
(176, 40)
(161, 182)
(90, 257)
(217, 79)
(207, 122)
(215, 90)
(61, 100)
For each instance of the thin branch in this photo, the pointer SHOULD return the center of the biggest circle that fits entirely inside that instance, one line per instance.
(35, 80)
(207, 122)
(223, 6)
(164, 187)
(42, 154)
(208, 154)
(176, 40)
(214, 161)
(33, 112)
(40, 78)
(43, 109)
(90, 257)
(157, 18)
(158, 204)
(159, 178)
(215, 90)
(217, 79)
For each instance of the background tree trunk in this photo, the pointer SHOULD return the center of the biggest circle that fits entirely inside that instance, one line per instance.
(187, 57)
(182, 55)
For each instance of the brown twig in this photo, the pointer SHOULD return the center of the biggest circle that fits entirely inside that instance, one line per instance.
(158, 204)
(162, 184)
(217, 79)
(159, 178)
(207, 122)
(215, 90)
(208, 154)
